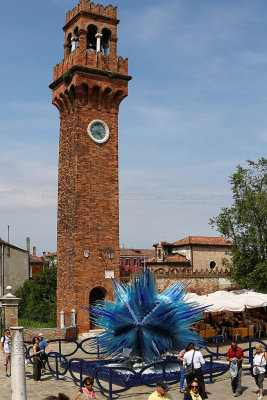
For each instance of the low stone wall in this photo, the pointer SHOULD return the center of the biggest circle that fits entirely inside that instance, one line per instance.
(68, 333)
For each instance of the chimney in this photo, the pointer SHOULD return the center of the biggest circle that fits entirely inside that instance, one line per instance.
(34, 251)
(28, 244)
(44, 253)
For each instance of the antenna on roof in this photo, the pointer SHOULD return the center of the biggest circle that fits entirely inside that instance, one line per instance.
(8, 251)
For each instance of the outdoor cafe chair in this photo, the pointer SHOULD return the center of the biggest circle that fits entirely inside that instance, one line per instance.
(235, 334)
(259, 332)
(224, 333)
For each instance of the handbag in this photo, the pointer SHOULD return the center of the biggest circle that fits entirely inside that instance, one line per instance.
(189, 368)
(234, 368)
(257, 371)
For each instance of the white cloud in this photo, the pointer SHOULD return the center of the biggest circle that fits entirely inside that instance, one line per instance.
(28, 197)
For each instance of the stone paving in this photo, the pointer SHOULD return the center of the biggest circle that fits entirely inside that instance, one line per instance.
(219, 390)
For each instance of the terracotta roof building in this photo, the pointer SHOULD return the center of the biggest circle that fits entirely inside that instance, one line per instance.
(203, 240)
(132, 260)
(37, 262)
(193, 253)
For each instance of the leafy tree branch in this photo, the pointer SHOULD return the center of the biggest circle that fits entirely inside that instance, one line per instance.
(245, 225)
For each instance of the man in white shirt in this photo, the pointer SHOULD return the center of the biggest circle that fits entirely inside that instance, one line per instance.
(194, 357)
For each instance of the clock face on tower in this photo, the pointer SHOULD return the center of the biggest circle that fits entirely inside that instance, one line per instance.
(98, 131)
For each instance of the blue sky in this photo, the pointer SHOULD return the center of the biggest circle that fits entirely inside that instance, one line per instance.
(196, 108)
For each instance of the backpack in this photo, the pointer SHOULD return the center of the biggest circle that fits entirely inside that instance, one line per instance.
(3, 342)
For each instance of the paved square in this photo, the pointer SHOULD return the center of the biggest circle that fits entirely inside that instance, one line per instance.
(220, 390)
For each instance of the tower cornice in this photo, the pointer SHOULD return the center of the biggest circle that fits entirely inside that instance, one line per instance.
(90, 71)
(92, 16)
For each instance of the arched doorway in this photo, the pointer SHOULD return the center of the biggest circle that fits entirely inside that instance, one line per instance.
(96, 294)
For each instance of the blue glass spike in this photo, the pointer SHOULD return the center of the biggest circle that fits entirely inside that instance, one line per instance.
(148, 322)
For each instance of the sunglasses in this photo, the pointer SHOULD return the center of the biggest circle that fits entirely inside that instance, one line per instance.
(194, 387)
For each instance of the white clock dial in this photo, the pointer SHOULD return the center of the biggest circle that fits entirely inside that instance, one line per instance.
(98, 131)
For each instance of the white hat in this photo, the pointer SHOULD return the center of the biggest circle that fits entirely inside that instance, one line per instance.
(40, 335)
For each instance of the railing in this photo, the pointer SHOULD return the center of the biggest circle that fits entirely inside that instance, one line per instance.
(103, 370)
(58, 342)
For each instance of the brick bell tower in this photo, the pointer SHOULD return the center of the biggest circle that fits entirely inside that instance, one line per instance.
(88, 86)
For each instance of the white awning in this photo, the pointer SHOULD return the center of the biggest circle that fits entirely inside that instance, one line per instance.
(236, 300)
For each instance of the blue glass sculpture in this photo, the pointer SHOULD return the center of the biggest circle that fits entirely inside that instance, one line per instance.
(146, 321)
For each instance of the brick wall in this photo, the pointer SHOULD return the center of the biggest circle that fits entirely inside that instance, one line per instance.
(11, 316)
(51, 333)
(198, 284)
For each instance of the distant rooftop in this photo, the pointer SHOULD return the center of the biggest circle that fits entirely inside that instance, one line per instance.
(137, 252)
(198, 240)
(203, 240)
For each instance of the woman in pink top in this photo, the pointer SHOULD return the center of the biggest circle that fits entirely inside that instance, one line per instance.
(87, 391)
(182, 376)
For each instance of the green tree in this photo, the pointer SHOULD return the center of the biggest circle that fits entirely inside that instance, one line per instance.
(39, 297)
(245, 225)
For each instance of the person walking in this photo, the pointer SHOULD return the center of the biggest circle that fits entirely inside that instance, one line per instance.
(235, 356)
(6, 349)
(42, 346)
(160, 392)
(193, 361)
(259, 362)
(182, 375)
(194, 391)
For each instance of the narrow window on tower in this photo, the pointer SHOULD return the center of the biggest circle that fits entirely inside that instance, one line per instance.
(127, 262)
(105, 41)
(91, 39)
(76, 37)
(69, 43)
